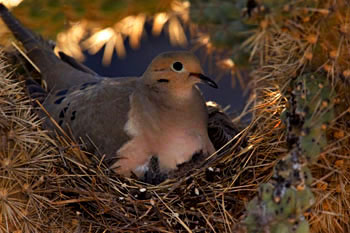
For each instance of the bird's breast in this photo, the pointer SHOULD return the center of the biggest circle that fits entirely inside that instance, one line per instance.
(177, 146)
(173, 135)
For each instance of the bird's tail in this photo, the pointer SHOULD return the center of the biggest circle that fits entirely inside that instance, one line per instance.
(38, 49)
(57, 73)
(27, 37)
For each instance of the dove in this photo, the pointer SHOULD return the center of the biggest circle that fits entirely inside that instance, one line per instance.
(127, 120)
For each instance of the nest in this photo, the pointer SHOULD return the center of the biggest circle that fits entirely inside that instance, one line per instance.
(69, 190)
(51, 185)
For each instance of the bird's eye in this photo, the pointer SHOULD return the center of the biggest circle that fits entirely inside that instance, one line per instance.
(177, 66)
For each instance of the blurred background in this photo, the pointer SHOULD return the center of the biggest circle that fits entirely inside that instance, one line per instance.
(120, 38)
(228, 95)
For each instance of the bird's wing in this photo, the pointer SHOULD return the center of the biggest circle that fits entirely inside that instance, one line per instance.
(96, 111)
(74, 63)
(35, 91)
(57, 73)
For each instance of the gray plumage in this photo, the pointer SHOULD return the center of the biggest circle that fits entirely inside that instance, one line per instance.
(162, 113)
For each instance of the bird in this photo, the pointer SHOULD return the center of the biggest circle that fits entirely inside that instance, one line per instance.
(127, 120)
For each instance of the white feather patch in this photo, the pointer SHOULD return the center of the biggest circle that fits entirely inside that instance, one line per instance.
(130, 128)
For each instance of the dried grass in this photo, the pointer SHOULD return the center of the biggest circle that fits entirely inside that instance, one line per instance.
(52, 186)
(283, 62)
(73, 191)
(26, 158)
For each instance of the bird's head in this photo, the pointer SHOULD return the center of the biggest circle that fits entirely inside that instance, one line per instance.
(176, 72)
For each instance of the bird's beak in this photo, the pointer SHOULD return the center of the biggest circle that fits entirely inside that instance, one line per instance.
(205, 79)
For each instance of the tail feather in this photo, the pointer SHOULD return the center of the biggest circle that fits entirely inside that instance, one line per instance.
(27, 37)
(57, 73)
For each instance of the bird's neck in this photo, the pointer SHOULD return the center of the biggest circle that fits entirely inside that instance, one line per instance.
(156, 108)
(181, 94)
(173, 97)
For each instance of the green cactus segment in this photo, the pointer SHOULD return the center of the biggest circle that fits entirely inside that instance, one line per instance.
(103, 13)
(282, 203)
(256, 22)
(269, 213)
(314, 109)
(224, 22)
(229, 23)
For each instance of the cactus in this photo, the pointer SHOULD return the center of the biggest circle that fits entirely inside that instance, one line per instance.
(281, 203)
(309, 40)
(299, 51)
(222, 21)
(104, 13)
(26, 158)
(314, 106)
(244, 28)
